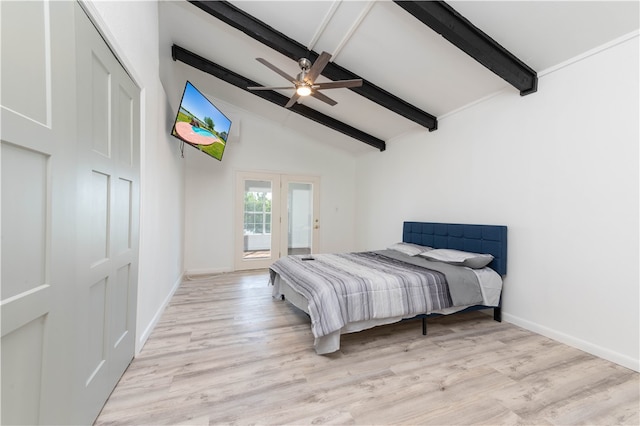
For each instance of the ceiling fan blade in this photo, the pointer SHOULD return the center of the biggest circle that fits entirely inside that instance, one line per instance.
(317, 67)
(276, 69)
(292, 101)
(338, 84)
(269, 88)
(323, 98)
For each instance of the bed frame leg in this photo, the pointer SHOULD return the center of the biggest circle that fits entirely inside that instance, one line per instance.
(497, 314)
(424, 326)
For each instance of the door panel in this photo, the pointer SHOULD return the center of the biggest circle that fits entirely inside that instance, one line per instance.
(26, 80)
(258, 216)
(301, 220)
(108, 192)
(24, 219)
(120, 323)
(22, 350)
(32, 168)
(257, 219)
(96, 355)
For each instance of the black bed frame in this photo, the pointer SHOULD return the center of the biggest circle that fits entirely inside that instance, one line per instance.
(491, 239)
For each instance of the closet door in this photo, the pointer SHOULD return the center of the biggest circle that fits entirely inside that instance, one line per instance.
(108, 210)
(38, 195)
(69, 211)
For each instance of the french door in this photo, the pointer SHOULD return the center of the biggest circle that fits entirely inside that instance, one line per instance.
(277, 215)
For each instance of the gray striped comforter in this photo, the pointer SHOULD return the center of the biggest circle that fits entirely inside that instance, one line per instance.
(350, 287)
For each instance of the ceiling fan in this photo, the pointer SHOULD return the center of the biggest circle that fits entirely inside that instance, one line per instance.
(304, 84)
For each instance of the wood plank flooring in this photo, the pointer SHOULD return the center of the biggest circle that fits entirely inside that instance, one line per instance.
(225, 352)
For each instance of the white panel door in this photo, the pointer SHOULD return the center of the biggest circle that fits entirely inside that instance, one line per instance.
(108, 206)
(38, 193)
(69, 180)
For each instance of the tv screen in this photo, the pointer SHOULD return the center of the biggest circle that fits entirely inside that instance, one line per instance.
(200, 124)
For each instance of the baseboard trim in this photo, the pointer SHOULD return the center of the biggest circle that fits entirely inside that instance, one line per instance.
(154, 321)
(599, 351)
(210, 271)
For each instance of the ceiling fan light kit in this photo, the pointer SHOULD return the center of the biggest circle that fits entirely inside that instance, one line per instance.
(303, 90)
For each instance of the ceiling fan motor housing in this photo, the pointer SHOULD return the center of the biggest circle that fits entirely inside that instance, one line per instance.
(304, 64)
(301, 78)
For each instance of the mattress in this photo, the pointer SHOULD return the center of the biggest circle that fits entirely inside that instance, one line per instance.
(489, 288)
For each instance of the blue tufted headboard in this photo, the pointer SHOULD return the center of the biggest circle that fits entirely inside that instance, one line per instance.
(491, 239)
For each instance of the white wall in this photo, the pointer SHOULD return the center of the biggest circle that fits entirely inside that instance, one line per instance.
(257, 144)
(131, 27)
(560, 169)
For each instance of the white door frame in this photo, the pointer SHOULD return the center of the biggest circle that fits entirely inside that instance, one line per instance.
(279, 217)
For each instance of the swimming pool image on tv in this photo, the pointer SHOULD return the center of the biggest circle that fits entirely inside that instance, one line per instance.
(202, 132)
(200, 124)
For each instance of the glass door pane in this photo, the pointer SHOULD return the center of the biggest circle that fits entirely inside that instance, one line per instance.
(257, 223)
(300, 215)
(258, 197)
(300, 218)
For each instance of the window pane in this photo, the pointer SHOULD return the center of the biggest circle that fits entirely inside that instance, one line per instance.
(257, 193)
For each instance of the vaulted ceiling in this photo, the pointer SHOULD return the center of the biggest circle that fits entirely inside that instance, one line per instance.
(419, 60)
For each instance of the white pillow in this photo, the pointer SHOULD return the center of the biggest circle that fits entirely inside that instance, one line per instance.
(458, 257)
(409, 249)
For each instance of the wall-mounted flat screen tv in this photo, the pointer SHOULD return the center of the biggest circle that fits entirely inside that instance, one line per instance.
(200, 124)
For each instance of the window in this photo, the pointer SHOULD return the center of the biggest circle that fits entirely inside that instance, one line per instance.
(257, 211)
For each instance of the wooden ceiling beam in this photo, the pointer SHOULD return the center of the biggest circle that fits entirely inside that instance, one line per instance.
(444, 20)
(274, 39)
(183, 55)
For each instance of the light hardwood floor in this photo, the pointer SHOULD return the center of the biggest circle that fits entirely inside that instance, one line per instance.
(225, 352)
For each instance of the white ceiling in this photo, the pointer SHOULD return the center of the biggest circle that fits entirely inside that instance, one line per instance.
(385, 45)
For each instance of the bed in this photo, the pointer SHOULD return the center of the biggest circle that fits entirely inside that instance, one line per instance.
(436, 269)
